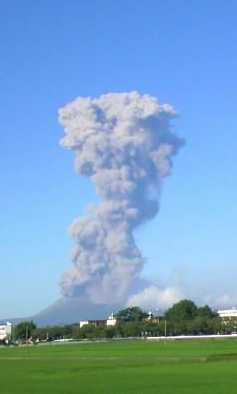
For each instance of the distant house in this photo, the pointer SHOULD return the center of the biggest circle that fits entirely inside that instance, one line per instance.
(5, 330)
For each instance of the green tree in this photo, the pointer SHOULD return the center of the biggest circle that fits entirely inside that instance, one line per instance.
(131, 314)
(24, 330)
(110, 331)
(201, 325)
(182, 311)
(86, 331)
(206, 312)
(217, 325)
(131, 329)
(149, 328)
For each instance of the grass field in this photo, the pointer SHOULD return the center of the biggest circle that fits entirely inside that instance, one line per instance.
(203, 366)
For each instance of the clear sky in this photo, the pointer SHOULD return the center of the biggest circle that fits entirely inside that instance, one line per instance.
(182, 51)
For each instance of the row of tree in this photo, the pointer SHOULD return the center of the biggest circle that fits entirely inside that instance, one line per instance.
(184, 317)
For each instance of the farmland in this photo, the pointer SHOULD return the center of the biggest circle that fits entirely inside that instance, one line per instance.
(204, 366)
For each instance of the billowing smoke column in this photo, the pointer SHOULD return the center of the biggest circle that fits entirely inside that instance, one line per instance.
(123, 142)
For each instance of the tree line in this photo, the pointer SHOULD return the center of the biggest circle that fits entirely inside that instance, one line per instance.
(183, 318)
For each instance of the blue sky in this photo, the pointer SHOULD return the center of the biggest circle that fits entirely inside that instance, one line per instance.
(183, 52)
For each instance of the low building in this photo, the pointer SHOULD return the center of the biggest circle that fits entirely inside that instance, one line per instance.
(95, 323)
(83, 323)
(227, 313)
(5, 330)
(154, 318)
(111, 321)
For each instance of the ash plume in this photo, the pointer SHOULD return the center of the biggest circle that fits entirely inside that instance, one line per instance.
(124, 143)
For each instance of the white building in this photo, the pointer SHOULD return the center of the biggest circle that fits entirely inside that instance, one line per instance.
(111, 321)
(5, 330)
(154, 318)
(227, 313)
(95, 323)
(83, 323)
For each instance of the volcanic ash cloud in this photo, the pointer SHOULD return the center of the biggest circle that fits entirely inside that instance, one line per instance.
(124, 143)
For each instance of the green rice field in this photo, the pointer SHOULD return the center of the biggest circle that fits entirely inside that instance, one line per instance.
(142, 367)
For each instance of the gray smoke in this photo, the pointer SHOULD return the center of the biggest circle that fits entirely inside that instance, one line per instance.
(124, 143)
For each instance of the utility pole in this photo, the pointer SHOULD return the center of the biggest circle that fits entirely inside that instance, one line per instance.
(27, 330)
(165, 331)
